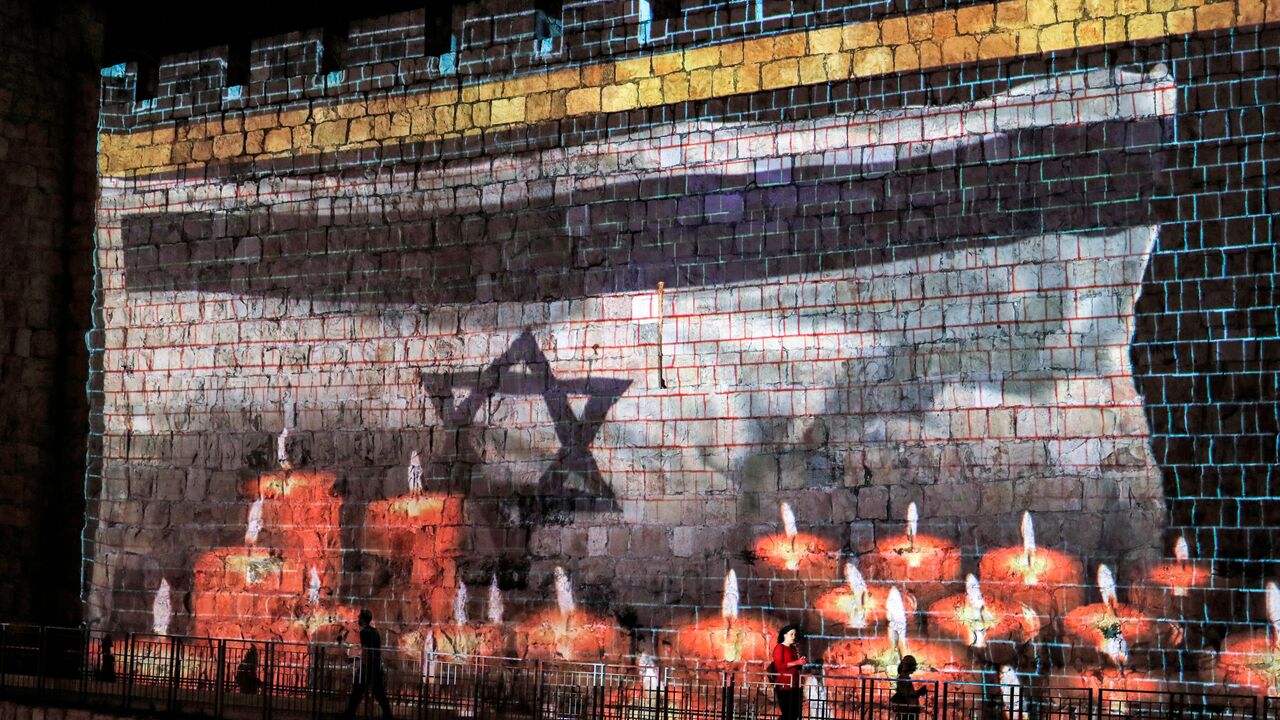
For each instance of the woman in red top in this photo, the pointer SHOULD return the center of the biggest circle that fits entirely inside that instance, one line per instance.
(786, 673)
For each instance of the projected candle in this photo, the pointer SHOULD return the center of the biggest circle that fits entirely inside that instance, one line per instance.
(423, 530)
(461, 637)
(296, 512)
(567, 632)
(1184, 588)
(855, 604)
(1048, 581)
(993, 629)
(879, 656)
(1110, 630)
(925, 565)
(724, 641)
(793, 550)
(1251, 660)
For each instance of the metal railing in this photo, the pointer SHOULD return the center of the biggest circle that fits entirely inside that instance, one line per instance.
(251, 680)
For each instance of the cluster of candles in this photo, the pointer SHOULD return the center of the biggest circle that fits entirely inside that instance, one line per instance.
(1020, 595)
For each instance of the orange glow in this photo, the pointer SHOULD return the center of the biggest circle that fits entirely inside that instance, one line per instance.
(838, 605)
(925, 565)
(1252, 661)
(580, 636)
(1122, 687)
(281, 586)
(1178, 589)
(1181, 577)
(1002, 625)
(878, 657)
(426, 530)
(802, 552)
(457, 641)
(1094, 629)
(1051, 584)
(719, 644)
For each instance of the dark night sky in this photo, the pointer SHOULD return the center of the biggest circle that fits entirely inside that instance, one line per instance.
(145, 30)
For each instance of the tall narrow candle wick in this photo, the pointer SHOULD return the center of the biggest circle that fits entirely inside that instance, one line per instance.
(1028, 538)
(1181, 552)
(913, 524)
(1273, 614)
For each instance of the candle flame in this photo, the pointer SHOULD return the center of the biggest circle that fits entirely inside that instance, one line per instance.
(161, 609)
(313, 589)
(1181, 552)
(495, 601)
(648, 671)
(1107, 586)
(282, 449)
(253, 527)
(415, 472)
(564, 593)
(973, 596)
(460, 604)
(913, 521)
(973, 593)
(1273, 611)
(729, 601)
(858, 588)
(788, 521)
(1028, 537)
(857, 585)
(896, 613)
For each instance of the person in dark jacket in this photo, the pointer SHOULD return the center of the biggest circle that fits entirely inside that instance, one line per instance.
(785, 673)
(906, 696)
(107, 665)
(247, 672)
(369, 671)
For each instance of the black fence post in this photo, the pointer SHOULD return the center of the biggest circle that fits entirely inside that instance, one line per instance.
(42, 661)
(4, 655)
(424, 688)
(220, 680)
(537, 692)
(86, 665)
(174, 675)
(316, 661)
(268, 679)
(730, 689)
(129, 649)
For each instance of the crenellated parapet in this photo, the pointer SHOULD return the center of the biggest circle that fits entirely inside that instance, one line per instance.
(428, 49)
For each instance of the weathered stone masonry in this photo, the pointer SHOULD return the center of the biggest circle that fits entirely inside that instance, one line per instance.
(900, 257)
(47, 119)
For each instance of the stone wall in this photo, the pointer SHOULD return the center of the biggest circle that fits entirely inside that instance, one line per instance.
(594, 300)
(47, 115)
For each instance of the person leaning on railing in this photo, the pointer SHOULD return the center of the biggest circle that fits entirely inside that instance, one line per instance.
(906, 696)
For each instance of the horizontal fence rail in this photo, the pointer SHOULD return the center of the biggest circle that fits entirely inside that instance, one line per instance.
(263, 680)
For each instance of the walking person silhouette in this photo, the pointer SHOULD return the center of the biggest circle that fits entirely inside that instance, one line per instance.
(369, 671)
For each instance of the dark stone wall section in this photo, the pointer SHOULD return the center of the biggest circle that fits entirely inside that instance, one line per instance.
(48, 97)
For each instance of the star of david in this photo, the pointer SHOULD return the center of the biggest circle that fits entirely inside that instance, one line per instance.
(574, 433)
